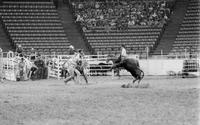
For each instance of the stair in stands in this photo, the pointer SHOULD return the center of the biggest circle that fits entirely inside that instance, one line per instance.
(4, 40)
(72, 30)
(172, 28)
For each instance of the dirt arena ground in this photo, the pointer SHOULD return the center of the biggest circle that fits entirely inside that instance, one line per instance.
(168, 101)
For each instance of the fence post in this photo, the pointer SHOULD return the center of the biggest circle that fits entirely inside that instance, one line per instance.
(1, 65)
(58, 70)
(113, 73)
(147, 52)
(161, 53)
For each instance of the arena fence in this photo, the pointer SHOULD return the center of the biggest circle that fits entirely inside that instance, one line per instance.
(8, 66)
(98, 65)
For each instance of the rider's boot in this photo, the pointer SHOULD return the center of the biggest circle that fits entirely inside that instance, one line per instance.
(68, 79)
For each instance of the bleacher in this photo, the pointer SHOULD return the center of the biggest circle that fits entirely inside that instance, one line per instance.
(136, 39)
(34, 25)
(139, 38)
(188, 37)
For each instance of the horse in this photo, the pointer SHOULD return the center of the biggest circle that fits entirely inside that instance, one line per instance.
(75, 66)
(111, 59)
(132, 66)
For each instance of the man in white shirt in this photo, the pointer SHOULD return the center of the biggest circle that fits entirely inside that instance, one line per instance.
(123, 54)
(123, 51)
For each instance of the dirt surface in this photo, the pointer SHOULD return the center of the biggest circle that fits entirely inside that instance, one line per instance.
(168, 101)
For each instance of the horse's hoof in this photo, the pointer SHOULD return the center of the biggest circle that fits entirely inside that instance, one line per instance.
(137, 86)
(123, 86)
(65, 82)
(129, 85)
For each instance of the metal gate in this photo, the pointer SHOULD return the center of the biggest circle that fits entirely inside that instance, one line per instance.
(191, 66)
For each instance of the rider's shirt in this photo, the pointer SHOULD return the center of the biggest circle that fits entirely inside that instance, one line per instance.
(123, 52)
(73, 61)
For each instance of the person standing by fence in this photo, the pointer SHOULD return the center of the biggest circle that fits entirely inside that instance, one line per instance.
(1, 65)
(19, 50)
(22, 70)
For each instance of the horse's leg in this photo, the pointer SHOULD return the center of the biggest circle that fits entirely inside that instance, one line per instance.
(71, 75)
(85, 76)
(139, 81)
(29, 74)
(118, 73)
(140, 76)
(77, 76)
(26, 74)
(136, 78)
(129, 85)
(134, 81)
(68, 79)
(65, 74)
(62, 73)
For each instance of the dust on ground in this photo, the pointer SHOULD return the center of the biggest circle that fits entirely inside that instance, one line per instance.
(168, 101)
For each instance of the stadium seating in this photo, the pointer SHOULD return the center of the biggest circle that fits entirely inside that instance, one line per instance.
(188, 38)
(136, 41)
(34, 24)
(106, 37)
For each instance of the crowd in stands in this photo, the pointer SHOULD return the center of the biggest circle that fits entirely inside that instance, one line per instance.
(122, 14)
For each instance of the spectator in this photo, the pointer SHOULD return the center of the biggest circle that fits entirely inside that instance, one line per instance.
(140, 13)
(123, 51)
(71, 50)
(19, 50)
(33, 54)
(41, 72)
(22, 70)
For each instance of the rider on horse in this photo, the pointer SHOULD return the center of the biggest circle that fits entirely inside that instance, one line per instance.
(71, 65)
(123, 54)
(76, 66)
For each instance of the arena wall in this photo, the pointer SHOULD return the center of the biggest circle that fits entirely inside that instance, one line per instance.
(161, 67)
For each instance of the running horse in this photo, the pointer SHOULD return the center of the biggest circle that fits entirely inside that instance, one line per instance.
(75, 67)
(131, 65)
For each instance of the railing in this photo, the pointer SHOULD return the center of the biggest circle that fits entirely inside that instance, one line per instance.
(98, 64)
(7, 66)
(176, 56)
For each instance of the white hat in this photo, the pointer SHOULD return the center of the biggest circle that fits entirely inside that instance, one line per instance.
(71, 47)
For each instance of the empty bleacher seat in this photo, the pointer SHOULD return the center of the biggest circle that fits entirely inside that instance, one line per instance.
(34, 24)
